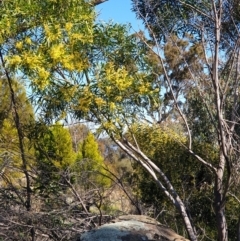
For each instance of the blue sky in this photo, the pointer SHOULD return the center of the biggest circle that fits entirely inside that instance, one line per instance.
(119, 11)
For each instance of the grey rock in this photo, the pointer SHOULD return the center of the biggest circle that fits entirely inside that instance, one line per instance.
(132, 228)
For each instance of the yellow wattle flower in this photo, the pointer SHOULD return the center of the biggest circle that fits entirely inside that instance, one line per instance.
(28, 40)
(19, 45)
(112, 106)
(68, 26)
(14, 60)
(43, 74)
(57, 51)
(99, 101)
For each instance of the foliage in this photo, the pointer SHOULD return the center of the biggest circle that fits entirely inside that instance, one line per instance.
(202, 126)
(211, 107)
(54, 156)
(42, 41)
(192, 181)
(181, 17)
(37, 32)
(186, 75)
(107, 88)
(8, 131)
(47, 44)
(91, 163)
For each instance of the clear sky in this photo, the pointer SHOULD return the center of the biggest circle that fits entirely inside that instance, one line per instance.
(119, 11)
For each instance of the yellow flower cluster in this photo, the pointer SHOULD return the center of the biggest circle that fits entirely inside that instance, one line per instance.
(73, 62)
(43, 74)
(14, 60)
(120, 78)
(68, 62)
(68, 26)
(52, 33)
(42, 77)
(143, 89)
(19, 45)
(57, 51)
(28, 40)
(79, 65)
(41, 83)
(99, 101)
(32, 60)
(77, 36)
(108, 125)
(85, 101)
(112, 106)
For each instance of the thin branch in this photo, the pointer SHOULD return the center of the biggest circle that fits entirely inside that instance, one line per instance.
(196, 10)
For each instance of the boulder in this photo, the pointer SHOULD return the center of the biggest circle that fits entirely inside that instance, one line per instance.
(132, 228)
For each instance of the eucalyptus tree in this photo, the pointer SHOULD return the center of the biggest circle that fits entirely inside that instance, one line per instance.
(214, 26)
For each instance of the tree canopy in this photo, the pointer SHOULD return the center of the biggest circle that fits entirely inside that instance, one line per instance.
(170, 101)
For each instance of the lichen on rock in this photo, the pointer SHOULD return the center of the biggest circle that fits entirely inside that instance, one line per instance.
(132, 228)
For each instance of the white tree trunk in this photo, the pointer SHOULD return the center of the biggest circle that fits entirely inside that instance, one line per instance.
(167, 188)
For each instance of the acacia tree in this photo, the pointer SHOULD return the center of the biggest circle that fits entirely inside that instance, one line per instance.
(33, 45)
